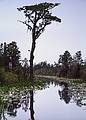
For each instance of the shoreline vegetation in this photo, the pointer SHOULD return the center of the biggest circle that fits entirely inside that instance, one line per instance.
(12, 79)
(14, 70)
(59, 79)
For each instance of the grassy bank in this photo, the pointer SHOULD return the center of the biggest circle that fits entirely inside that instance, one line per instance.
(59, 79)
(10, 78)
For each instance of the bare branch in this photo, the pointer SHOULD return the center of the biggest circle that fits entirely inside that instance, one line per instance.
(39, 31)
(29, 27)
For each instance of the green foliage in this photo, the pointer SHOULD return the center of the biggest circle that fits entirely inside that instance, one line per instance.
(77, 64)
(1, 55)
(10, 65)
(38, 17)
(2, 73)
(44, 68)
(67, 67)
(65, 61)
(78, 58)
(7, 76)
(9, 55)
(10, 77)
(39, 7)
(13, 53)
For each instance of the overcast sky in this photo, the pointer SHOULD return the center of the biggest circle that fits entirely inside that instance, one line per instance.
(57, 38)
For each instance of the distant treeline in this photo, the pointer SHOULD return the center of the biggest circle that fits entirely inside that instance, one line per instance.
(12, 67)
(67, 66)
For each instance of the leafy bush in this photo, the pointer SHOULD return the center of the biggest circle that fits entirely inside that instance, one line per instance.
(10, 77)
(2, 73)
(7, 77)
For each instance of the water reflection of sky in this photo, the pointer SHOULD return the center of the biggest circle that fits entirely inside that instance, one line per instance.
(53, 102)
(48, 106)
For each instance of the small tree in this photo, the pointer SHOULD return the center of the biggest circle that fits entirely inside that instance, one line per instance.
(38, 16)
(1, 55)
(77, 62)
(65, 61)
(9, 55)
(13, 54)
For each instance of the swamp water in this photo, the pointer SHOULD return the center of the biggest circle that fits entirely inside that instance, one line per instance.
(52, 101)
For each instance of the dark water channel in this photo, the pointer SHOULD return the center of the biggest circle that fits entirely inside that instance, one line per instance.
(53, 101)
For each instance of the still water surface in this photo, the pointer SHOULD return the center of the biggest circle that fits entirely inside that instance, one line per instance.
(53, 102)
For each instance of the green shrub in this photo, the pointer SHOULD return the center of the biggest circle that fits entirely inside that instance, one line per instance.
(2, 73)
(7, 77)
(10, 77)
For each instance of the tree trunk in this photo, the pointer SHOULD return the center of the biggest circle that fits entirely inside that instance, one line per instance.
(31, 105)
(32, 53)
(33, 47)
(31, 66)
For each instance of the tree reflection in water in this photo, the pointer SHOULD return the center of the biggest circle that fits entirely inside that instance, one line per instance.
(31, 105)
(73, 92)
(14, 100)
(64, 92)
